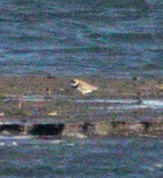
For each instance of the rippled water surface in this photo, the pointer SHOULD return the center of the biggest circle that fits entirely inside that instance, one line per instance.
(82, 37)
(139, 157)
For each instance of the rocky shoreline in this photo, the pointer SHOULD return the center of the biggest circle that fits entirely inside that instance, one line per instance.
(84, 129)
(49, 106)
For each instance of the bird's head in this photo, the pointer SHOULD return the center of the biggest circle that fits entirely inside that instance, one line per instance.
(74, 83)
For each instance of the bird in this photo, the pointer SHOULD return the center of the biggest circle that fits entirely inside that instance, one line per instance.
(83, 86)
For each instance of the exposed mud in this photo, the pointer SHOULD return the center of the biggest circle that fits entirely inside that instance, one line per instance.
(127, 103)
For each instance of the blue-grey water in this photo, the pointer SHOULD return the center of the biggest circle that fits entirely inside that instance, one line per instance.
(109, 38)
(81, 37)
(105, 158)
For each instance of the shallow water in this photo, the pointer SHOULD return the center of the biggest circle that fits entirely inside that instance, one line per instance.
(125, 104)
(106, 38)
(113, 104)
(139, 157)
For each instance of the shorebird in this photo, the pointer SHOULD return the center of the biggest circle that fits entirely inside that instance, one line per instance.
(82, 86)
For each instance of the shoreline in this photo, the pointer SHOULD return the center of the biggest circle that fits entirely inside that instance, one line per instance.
(107, 87)
(59, 99)
(84, 129)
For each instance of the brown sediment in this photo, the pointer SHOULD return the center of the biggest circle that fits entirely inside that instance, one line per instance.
(76, 119)
(107, 87)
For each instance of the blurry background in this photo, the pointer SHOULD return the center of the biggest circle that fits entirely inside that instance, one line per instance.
(109, 38)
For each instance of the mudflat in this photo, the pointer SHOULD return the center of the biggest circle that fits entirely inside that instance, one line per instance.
(107, 87)
(52, 100)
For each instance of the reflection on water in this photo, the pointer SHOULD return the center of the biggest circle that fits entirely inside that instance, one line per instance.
(125, 104)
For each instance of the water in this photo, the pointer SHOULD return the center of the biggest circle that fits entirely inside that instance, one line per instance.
(139, 157)
(104, 38)
(90, 38)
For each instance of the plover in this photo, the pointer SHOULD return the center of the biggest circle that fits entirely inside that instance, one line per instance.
(82, 86)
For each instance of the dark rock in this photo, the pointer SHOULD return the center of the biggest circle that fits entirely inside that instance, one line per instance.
(47, 129)
(88, 128)
(155, 128)
(11, 128)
